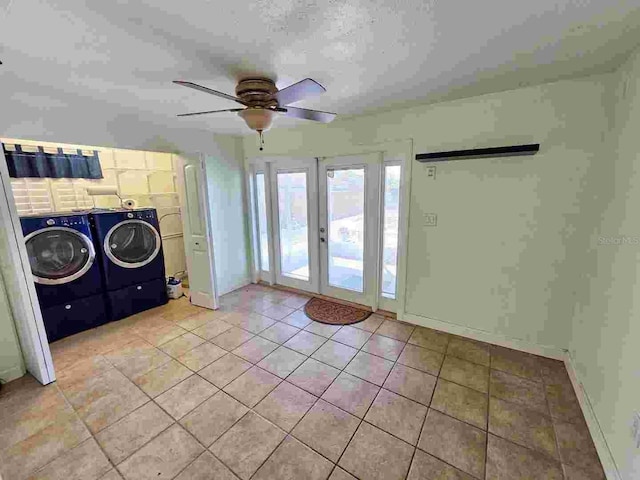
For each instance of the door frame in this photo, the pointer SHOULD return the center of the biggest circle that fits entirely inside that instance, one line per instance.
(26, 313)
(257, 274)
(393, 150)
(371, 163)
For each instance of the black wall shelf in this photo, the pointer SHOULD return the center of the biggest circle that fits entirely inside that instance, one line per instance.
(510, 151)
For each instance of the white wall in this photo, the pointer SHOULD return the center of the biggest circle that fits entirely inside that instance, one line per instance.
(605, 338)
(502, 257)
(225, 174)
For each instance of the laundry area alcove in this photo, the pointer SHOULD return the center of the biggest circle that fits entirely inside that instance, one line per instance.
(148, 178)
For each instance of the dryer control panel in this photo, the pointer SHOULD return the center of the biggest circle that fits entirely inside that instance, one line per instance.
(142, 214)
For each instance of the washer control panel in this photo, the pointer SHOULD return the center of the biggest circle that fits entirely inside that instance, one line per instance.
(70, 221)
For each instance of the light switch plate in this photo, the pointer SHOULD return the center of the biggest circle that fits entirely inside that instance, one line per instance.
(430, 219)
(431, 172)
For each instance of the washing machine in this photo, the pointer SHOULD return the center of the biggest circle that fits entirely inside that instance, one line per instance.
(130, 253)
(66, 274)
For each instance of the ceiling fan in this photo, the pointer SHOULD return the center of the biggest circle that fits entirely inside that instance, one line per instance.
(263, 101)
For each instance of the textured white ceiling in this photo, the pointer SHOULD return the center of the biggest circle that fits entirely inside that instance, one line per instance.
(72, 65)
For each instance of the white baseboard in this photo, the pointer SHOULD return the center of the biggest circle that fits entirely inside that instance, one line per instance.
(484, 336)
(12, 373)
(606, 458)
(243, 282)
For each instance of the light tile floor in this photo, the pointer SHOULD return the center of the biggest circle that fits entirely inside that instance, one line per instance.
(187, 393)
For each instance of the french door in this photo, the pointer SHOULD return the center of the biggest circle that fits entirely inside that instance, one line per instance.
(294, 203)
(319, 226)
(348, 226)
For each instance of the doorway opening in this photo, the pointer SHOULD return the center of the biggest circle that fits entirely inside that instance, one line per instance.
(80, 252)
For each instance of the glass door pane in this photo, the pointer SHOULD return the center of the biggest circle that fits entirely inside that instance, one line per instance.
(293, 224)
(390, 229)
(345, 236)
(263, 232)
(349, 189)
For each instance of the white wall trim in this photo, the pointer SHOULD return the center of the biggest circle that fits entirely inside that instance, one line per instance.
(606, 458)
(240, 284)
(254, 234)
(484, 336)
(12, 373)
(406, 148)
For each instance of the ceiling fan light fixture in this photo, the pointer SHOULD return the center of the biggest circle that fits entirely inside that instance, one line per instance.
(263, 100)
(259, 119)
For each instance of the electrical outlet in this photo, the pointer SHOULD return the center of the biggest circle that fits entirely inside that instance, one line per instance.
(430, 219)
(636, 429)
(431, 172)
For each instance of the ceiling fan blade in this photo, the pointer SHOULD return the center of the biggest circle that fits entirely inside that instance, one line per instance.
(296, 92)
(210, 111)
(195, 86)
(315, 115)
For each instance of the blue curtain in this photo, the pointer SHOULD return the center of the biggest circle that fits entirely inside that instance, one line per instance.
(57, 165)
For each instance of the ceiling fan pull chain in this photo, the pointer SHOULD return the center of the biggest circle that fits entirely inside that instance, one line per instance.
(261, 140)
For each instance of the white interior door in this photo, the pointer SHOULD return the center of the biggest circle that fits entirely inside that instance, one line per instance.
(349, 197)
(294, 194)
(198, 239)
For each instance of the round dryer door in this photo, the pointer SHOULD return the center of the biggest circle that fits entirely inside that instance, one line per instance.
(59, 255)
(132, 243)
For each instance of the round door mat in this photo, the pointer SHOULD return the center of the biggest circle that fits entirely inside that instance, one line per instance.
(333, 313)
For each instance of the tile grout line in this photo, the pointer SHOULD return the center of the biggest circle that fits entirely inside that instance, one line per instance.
(486, 444)
(76, 414)
(206, 450)
(91, 436)
(370, 405)
(150, 400)
(287, 434)
(449, 416)
(555, 431)
(177, 421)
(250, 409)
(326, 339)
(318, 398)
(444, 356)
(343, 370)
(424, 420)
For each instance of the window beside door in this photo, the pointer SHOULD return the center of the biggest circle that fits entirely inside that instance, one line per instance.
(263, 231)
(390, 229)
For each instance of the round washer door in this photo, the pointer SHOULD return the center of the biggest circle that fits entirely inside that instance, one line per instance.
(59, 255)
(132, 243)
